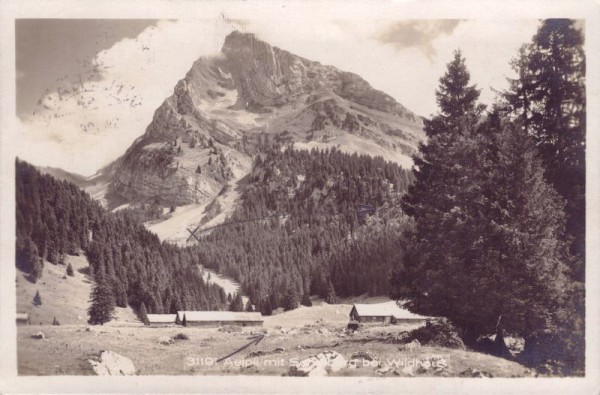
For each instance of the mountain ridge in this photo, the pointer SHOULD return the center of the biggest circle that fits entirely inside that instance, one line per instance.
(205, 134)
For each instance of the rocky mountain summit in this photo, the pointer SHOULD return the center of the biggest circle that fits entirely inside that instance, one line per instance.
(203, 137)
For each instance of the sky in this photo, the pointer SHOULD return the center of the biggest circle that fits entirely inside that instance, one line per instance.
(126, 68)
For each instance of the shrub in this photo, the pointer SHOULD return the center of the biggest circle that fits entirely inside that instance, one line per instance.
(181, 336)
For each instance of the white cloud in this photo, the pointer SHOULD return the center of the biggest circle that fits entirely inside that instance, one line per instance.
(82, 127)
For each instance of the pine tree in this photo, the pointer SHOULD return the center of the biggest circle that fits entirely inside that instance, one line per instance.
(549, 100)
(455, 96)
(177, 320)
(291, 300)
(488, 249)
(222, 296)
(144, 314)
(237, 304)
(199, 170)
(55, 322)
(51, 252)
(184, 321)
(331, 295)
(249, 307)
(266, 307)
(102, 303)
(37, 299)
(306, 300)
(29, 260)
(70, 270)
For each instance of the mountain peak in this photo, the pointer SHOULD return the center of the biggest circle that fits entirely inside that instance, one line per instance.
(239, 38)
(203, 136)
(242, 45)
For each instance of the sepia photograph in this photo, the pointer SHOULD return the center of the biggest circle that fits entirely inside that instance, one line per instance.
(362, 197)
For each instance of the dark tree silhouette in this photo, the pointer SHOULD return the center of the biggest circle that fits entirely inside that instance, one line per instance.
(549, 100)
(70, 270)
(102, 303)
(143, 313)
(37, 299)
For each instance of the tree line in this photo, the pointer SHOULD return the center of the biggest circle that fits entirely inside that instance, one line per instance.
(129, 265)
(307, 237)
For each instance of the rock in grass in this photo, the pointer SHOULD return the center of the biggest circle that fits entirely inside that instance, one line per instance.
(471, 372)
(319, 365)
(109, 363)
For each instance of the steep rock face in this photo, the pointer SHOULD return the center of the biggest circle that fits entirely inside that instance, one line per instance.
(203, 136)
(268, 76)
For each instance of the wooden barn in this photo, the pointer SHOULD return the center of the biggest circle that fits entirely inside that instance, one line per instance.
(22, 319)
(384, 313)
(220, 318)
(158, 320)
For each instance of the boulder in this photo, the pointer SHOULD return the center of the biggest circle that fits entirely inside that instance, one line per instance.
(258, 353)
(433, 365)
(319, 365)
(408, 370)
(412, 346)
(363, 355)
(109, 363)
(166, 340)
(402, 336)
(471, 372)
(383, 370)
(279, 349)
(39, 335)
(358, 359)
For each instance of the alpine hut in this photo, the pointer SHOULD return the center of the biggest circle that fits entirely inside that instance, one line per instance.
(384, 313)
(220, 318)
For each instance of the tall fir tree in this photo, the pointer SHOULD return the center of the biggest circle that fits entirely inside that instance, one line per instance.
(306, 300)
(488, 243)
(291, 299)
(237, 304)
(548, 98)
(102, 303)
(28, 259)
(266, 308)
(331, 297)
(144, 314)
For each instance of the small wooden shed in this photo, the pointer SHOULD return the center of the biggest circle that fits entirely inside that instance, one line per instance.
(159, 320)
(23, 319)
(384, 313)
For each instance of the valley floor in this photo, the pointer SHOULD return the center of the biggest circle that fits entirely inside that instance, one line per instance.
(67, 348)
